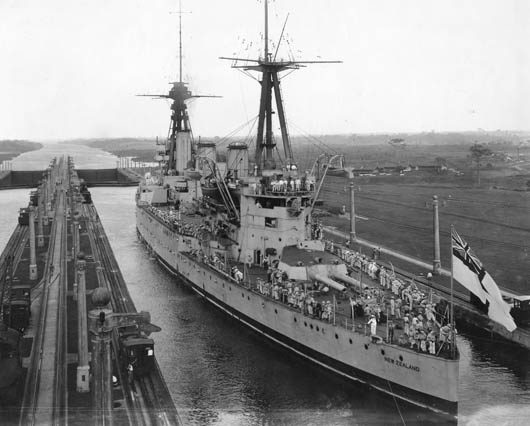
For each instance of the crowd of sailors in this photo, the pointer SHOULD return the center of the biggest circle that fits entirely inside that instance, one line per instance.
(282, 185)
(279, 288)
(172, 218)
(295, 295)
(401, 304)
(408, 308)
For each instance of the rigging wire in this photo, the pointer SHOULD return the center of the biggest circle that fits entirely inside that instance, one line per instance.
(249, 137)
(287, 74)
(310, 138)
(248, 74)
(226, 138)
(243, 98)
(281, 36)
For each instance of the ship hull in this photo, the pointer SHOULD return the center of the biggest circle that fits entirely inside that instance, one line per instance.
(297, 333)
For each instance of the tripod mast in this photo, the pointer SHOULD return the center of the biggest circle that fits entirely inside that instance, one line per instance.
(270, 69)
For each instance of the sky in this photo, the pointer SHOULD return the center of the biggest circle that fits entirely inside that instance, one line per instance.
(71, 69)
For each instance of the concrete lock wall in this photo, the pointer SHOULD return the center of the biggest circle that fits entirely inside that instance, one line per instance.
(92, 177)
(20, 179)
(97, 176)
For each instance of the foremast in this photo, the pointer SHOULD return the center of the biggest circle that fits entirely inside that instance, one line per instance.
(179, 147)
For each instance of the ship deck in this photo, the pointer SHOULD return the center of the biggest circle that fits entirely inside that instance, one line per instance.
(292, 256)
(336, 303)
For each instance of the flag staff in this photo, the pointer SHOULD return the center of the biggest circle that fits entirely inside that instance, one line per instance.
(451, 315)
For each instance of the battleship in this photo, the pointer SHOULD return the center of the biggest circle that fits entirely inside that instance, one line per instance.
(245, 238)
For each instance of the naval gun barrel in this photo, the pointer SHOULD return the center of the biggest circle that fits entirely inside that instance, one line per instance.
(329, 282)
(346, 279)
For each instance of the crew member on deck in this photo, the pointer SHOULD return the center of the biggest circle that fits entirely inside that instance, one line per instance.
(372, 322)
(249, 260)
(391, 331)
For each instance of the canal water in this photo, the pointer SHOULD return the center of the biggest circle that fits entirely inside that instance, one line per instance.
(220, 373)
(84, 157)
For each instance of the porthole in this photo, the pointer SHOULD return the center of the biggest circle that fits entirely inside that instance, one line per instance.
(351, 343)
(295, 320)
(279, 239)
(336, 336)
(365, 346)
(243, 295)
(275, 311)
(383, 352)
(248, 297)
(401, 358)
(318, 328)
(223, 285)
(305, 323)
(230, 288)
(311, 326)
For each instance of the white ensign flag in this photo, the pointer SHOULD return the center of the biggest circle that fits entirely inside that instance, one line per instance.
(468, 271)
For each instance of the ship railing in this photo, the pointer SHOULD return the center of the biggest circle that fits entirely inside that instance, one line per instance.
(281, 190)
(298, 193)
(171, 220)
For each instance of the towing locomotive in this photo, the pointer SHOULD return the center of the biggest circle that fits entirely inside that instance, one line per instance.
(136, 351)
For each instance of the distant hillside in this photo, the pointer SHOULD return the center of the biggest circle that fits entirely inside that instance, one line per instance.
(424, 138)
(141, 149)
(10, 149)
(118, 144)
(360, 150)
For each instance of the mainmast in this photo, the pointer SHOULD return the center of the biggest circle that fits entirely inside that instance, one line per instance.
(270, 81)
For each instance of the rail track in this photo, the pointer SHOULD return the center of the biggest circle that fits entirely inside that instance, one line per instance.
(48, 362)
(14, 249)
(143, 397)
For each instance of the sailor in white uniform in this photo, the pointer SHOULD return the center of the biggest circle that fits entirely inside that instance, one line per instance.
(372, 322)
